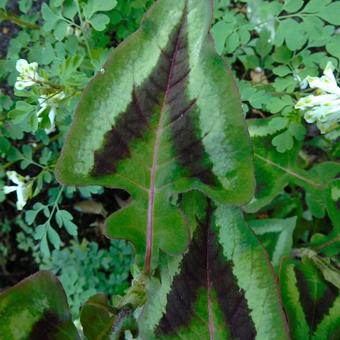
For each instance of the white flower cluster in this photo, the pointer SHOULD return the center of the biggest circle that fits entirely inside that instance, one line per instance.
(23, 188)
(28, 77)
(50, 102)
(28, 74)
(323, 108)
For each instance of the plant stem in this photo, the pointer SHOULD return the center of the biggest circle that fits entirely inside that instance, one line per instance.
(18, 21)
(55, 204)
(82, 28)
(292, 173)
(39, 147)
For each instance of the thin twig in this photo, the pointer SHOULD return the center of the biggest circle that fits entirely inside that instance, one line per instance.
(18, 21)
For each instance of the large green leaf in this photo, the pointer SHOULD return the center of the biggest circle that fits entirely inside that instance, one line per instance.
(163, 117)
(36, 308)
(223, 287)
(312, 304)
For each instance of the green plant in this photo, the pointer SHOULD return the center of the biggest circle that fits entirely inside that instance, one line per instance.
(163, 121)
(83, 269)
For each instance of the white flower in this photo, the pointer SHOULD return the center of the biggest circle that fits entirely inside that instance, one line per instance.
(23, 188)
(50, 101)
(323, 108)
(28, 74)
(303, 83)
(327, 82)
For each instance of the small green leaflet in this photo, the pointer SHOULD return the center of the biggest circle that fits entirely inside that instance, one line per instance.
(162, 117)
(273, 171)
(276, 235)
(311, 303)
(96, 318)
(223, 287)
(36, 308)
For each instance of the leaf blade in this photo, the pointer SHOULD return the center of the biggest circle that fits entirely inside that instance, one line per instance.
(38, 304)
(159, 130)
(208, 292)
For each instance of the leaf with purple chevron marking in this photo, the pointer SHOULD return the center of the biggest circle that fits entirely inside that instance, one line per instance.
(36, 308)
(223, 287)
(163, 117)
(311, 303)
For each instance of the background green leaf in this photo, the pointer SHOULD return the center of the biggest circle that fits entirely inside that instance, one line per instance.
(36, 308)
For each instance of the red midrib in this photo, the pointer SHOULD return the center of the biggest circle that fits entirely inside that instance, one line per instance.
(153, 172)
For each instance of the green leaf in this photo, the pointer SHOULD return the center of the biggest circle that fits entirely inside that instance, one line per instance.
(25, 5)
(99, 21)
(333, 46)
(53, 237)
(21, 111)
(314, 6)
(31, 215)
(71, 228)
(282, 55)
(265, 127)
(312, 304)
(209, 294)
(36, 308)
(232, 42)
(60, 30)
(333, 203)
(3, 3)
(278, 104)
(70, 9)
(220, 31)
(330, 13)
(292, 32)
(49, 16)
(283, 142)
(97, 318)
(297, 130)
(286, 84)
(40, 231)
(163, 117)
(317, 196)
(278, 123)
(292, 6)
(273, 171)
(276, 235)
(282, 70)
(94, 6)
(64, 218)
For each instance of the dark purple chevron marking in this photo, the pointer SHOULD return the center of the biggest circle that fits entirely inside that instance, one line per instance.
(204, 267)
(314, 311)
(165, 87)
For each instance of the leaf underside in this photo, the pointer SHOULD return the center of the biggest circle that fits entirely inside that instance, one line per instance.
(36, 308)
(164, 118)
(312, 304)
